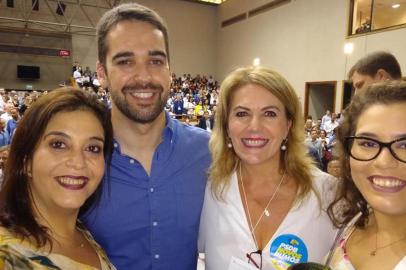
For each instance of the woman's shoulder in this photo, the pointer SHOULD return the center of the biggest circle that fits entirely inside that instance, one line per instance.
(6, 236)
(325, 185)
(323, 181)
(15, 254)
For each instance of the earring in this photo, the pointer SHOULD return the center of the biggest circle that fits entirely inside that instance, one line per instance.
(283, 146)
(229, 145)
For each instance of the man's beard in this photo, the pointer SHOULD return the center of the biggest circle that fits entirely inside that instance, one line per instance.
(136, 114)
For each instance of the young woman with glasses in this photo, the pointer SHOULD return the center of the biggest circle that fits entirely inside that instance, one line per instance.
(371, 204)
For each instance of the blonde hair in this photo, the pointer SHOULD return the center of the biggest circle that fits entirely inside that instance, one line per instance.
(294, 160)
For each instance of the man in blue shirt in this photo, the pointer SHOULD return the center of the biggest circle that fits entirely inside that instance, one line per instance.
(12, 123)
(149, 213)
(4, 136)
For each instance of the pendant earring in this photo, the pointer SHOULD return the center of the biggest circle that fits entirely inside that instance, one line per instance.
(283, 146)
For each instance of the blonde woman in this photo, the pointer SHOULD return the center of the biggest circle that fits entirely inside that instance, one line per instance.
(265, 203)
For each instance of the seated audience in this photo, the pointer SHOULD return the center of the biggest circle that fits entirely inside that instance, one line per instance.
(325, 119)
(4, 136)
(333, 167)
(326, 153)
(55, 165)
(314, 147)
(370, 207)
(330, 126)
(206, 122)
(12, 123)
(265, 202)
(4, 151)
(308, 128)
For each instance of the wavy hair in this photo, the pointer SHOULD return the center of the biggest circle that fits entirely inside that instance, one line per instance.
(349, 200)
(294, 160)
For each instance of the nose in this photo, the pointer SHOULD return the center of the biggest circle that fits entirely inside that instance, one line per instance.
(142, 73)
(255, 122)
(385, 159)
(76, 160)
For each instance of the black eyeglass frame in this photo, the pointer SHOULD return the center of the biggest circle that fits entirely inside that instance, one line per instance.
(381, 146)
(251, 260)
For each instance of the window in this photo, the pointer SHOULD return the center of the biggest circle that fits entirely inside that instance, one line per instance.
(35, 5)
(370, 15)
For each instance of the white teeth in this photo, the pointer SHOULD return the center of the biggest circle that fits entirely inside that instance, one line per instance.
(70, 181)
(142, 95)
(388, 183)
(254, 142)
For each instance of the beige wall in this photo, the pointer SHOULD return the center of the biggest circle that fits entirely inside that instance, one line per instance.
(303, 40)
(192, 37)
(192, 34)
(53, 69)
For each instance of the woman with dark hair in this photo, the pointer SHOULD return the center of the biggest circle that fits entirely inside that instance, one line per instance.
(55, 165)
(370, 207)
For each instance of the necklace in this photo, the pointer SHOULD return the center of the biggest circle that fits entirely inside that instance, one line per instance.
(67, 240)
(375, 250)
(266, 211)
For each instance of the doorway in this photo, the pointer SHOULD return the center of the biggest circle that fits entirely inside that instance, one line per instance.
(348, 93)
(319, 97)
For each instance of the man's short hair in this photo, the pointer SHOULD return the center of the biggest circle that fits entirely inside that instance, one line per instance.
(371, 63)
(127, 12)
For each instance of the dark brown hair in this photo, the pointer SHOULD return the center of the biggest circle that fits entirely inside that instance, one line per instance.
(16, 208)
(127, 12)
(371, 63)
(349, 200)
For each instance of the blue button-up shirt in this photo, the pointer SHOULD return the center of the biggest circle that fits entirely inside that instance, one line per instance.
(151, 221)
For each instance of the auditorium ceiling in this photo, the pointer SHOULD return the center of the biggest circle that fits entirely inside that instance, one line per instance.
(60, 16)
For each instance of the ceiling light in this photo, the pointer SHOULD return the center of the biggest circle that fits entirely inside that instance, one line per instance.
(348, 48)
(395, 5)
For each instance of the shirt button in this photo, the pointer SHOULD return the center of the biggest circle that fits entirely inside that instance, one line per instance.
(115, 145)
(131, 161)
(154, 223)
(156, 256)
(151, 189)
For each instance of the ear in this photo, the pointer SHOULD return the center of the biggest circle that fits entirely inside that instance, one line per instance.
(101, 74)
(382, 75)
(289, 126)
(28, 167)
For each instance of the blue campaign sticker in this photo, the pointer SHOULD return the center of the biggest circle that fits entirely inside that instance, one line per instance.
(288, 249)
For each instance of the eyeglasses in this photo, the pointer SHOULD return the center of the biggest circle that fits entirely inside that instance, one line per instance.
(366, 149)
(255, 258)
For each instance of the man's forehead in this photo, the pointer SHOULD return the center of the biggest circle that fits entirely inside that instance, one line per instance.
(119, 41)
(123, 27)
(360, 76)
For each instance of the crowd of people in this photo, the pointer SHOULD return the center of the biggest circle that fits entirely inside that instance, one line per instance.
(110, 179)
(192, 100)
(320, 138)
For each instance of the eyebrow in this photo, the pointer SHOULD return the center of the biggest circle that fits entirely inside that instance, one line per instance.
(157, 53)
(122, 55)
(374, 136)
(131, 54)
(263, 109)
(63, 134)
